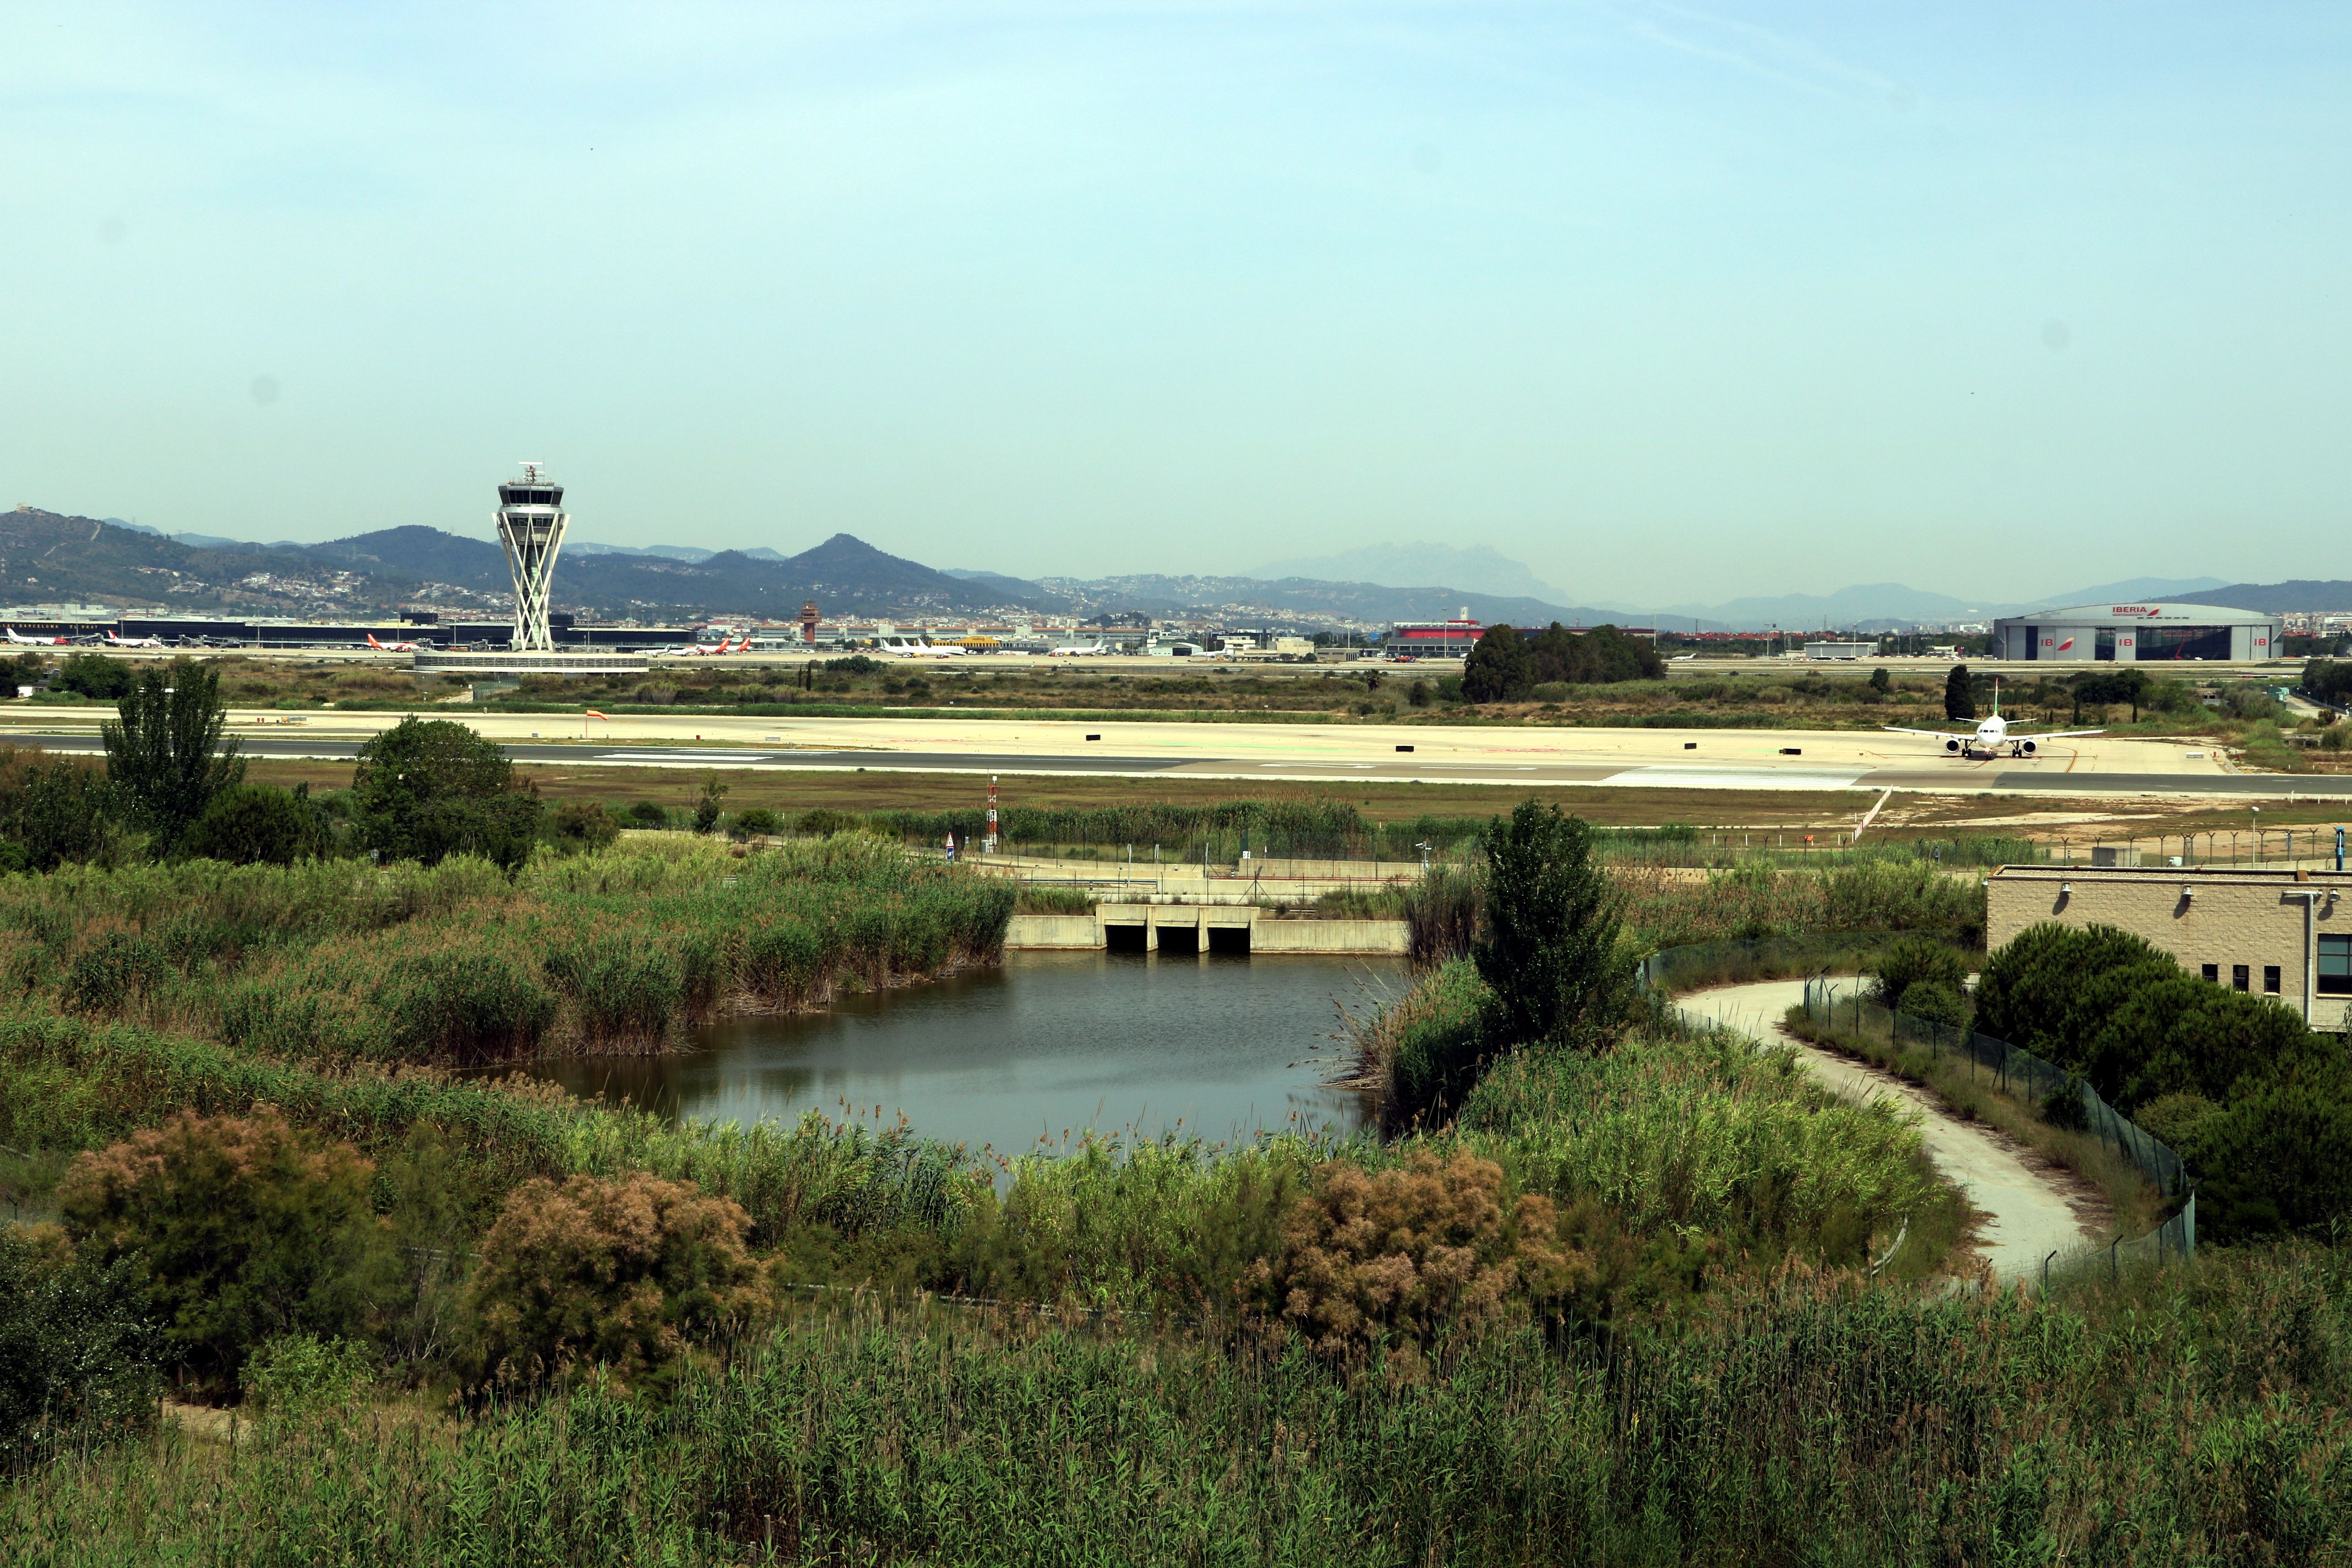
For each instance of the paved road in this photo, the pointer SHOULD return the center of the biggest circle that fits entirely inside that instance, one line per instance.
(2032, 1208)
(1843, 761)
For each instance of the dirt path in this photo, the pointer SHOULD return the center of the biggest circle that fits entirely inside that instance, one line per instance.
(2032, 1207)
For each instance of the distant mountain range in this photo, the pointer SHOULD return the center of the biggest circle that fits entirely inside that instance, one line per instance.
(2301, 594)
(1476, 570)
(45, 557)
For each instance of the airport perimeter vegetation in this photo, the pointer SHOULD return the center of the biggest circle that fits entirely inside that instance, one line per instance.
(1671, 1344)
(1676, 1313)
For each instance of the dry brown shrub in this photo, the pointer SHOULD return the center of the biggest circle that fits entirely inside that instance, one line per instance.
(1397, 1255)
(243, 1228)
(614, 1273)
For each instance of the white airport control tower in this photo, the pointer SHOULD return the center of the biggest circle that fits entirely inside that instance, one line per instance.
(531, 525)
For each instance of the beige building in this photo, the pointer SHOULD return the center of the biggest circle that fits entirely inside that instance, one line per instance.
(2286, 934)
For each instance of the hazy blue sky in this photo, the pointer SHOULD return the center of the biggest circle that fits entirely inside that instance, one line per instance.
(1672, 303)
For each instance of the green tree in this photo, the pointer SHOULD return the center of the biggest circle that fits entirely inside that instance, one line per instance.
(1959, 699)
(2329, 682)
(1590, 658)
(1501, 668)
(2113, 686)
(1549, 950)
(1880, 682)
(1417, 694)
(250, 824)
(166, 753)
(95, 675)
(427, 788)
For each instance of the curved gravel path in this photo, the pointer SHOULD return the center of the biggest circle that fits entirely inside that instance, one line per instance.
(2030, 1208)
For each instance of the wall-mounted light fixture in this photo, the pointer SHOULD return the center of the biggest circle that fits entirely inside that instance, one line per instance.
(2065, 889)
(2188, 893)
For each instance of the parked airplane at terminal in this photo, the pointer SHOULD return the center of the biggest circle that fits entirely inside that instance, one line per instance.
(705, 650)
(114, 641)
(925, 649)
(390, 646)
(23, 641)
(1075, 651)
(1991, 735)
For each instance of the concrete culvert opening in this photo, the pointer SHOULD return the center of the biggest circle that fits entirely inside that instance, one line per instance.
(1126, 938)
(1180, 939)
(1230, 938)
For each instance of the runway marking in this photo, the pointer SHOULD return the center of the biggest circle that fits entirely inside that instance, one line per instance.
(1673, 777)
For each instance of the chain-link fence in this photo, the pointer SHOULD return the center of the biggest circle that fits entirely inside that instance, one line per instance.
(1842, 1008)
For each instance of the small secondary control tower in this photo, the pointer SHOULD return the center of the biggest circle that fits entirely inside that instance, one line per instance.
(532, 521)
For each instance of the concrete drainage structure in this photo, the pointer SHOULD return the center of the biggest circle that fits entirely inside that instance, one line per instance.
(1189, 929)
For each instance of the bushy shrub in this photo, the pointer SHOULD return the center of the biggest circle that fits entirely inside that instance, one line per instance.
(78, 1349)
(2111, 1006)
(52, 810)
(583, 825)
(649, 813)
(2276, 1157)
(1910, 962)
(706, 804)
(299, 1373)
(1394, 1257)
(614, 1273)
(1936, 1001)
(241, 1229)
(248, 824)
(758, 822)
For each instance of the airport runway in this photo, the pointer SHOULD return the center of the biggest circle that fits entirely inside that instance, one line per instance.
(1743, 760)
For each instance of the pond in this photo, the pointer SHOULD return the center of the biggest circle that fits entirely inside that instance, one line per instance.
(1048, 1046)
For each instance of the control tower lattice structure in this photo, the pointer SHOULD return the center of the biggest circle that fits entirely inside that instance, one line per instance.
(532, 521)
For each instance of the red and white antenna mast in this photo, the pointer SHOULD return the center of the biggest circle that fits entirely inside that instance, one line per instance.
(991, 847)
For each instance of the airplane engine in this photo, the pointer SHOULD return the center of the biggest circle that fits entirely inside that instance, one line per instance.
(2026, 748)
(1952, 745)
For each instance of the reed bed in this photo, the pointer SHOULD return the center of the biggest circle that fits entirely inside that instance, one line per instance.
(1755, 898)
(458, 965)
(1809, 1421)
(1707, 1133)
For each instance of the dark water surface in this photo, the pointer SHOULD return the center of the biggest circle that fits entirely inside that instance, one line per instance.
(1052, 1041)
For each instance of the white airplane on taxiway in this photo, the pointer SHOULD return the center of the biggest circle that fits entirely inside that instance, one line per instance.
(1991, 735)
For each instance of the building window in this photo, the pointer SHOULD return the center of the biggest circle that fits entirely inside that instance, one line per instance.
(2239, 978)
(2213, 972)
(2336, 965)
(2270, 979)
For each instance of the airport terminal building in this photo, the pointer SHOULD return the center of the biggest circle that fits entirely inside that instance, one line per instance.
(2140, 633)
